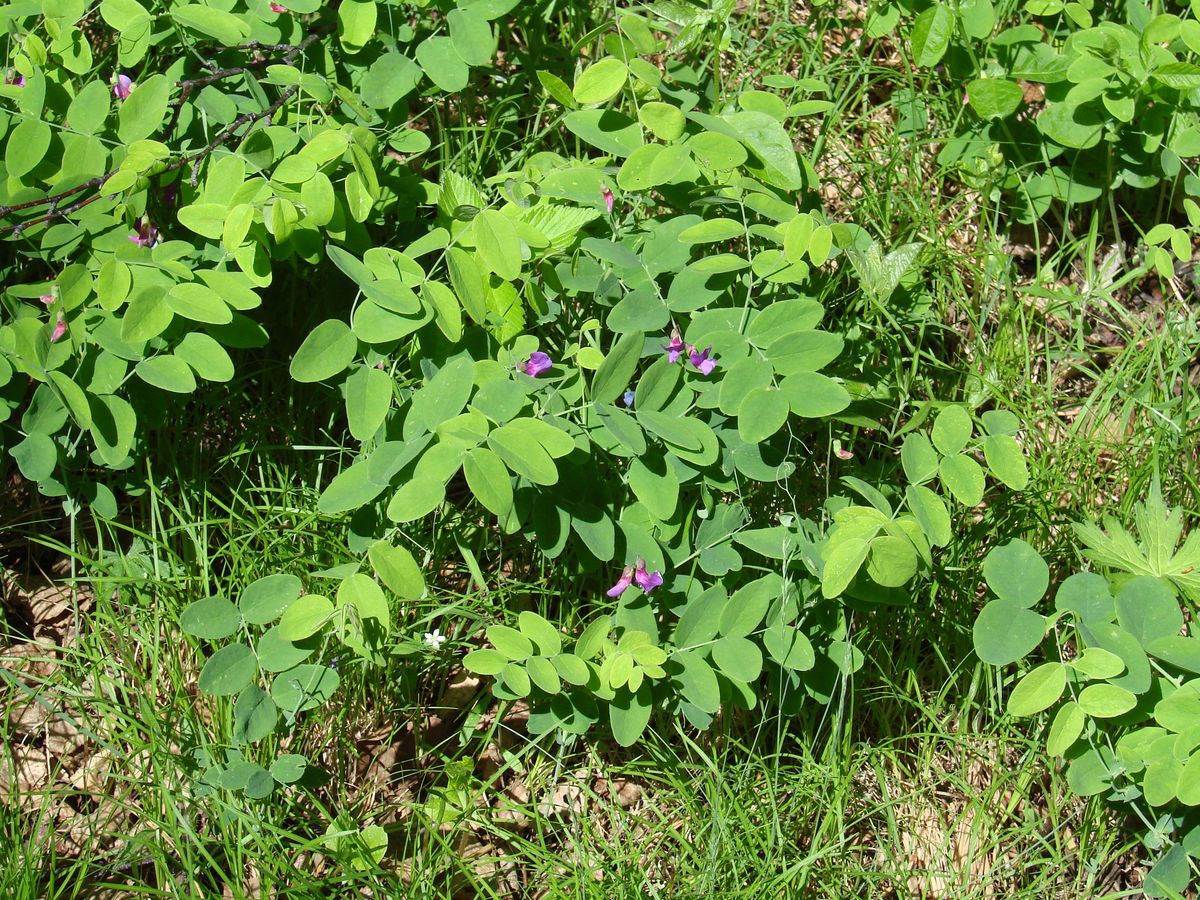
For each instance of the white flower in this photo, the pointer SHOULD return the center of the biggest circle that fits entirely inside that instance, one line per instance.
(434, 639)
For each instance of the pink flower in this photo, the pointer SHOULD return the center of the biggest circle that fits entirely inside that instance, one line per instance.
(623, 582)
(147, 234)
(675, 348)
(278, 8)
(537, 363)
(702, 361)
(608, 198)
(46, 299)
(124, 87)
(60, 328)
(14, 78)
(647, 581)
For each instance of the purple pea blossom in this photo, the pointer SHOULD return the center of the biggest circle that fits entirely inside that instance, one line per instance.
(124, 86)
(60, 328)
(46, 299)
(537, 363)
(14, 78)
(647, 581)
(638, 574)
(702, 361)
(608, 198)
(675, 347)
(280, 8)
(628, 399)
(147, 234)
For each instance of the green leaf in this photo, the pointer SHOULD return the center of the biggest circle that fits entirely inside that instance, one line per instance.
(600, 82)
(523, 454)
(485, 662)
(207, 357)
(762, 413)
(766, 138)
(228, 671)
(1095, 662)
(1006, 631)
(931, 33)
(277, 654)
(366, 597)
(1016, 573)
(629, 714)
(168, 372)
(697, 681)
(471, 36)
(212, 618)
(994, 98)
(842, 562)
(1066, 729)
(1005, 459)
(254, 715)
(26, 147)
(356, 23)
(510, 642)
(489, 481)
(36, 456)
(327, 351)
(389, 79)
(963, 478)
(712, 230)
(142, 114)
(368, 399)
(952, 429)
(468, 283)
(1038, 690)
(442, 64)
(738, 658)
(199, 303)
(608, 130)
(304, 687)
(813, 395)
(665, 122)
(265, 600)
(614, 375)
(305, 616)
(227, 28)
(1104, 701)
(350, 489)
(1147, 609)
(789, 647)
(398, 570)
(919, 459)
(497, 243)
(289, 768)
(541, 632)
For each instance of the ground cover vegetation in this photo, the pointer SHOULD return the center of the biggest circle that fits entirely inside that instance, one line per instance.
(537, 449)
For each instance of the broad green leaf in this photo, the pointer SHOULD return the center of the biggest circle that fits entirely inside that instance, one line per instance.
(600, 82)
(227, 28)
(541, 632)
(168, 372)
(497, 243)
(963, 478)
(142, 114)
(1016, 573)
(277, 654)
(26, 147)
(712, 230)
(1104, 701)
(209, 359)
(199, 303)
(442, 64)
(1005, 459)
(304, 687)
(738, 658)
(350, 489)
(368, 398)
(1006, 631)
(327, 351)
(228, 671)
(212, 618)
(607, 130)
(931, 33)
(254, 715)
(1147, 609)
(697, 681)
(397, 569)
(485, 662)
(356, 23)
(666, 123)
(1066, 729)
(1038, 690)
(366, 597)
(265, 600)
(489, 480)
(514, 645)
(615, 374)
(994, 98)
(305, 616)
(468, 283)
(389, 79)
(762, 413)
(36, 456)
(471, 36)
(919, 459)
(789, 647)
(813, 395)
(629, 714)
(952, 429)
(766, 138)
(844, 559)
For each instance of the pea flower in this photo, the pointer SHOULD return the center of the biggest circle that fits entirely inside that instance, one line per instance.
(14, 78)
(675, 348)
(46, 299)
(124, 86)
(280, 8)
(537, 363)
(702, 361)
(147, 234)
(638, 574)
(434, 639)
(647, 581)
(628, 399)
(608, 198)
(60, 328)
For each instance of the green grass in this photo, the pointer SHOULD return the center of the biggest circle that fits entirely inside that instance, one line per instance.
(910, 781)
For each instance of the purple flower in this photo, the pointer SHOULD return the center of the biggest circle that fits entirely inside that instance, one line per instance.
(623, 582)
(608, 198)
(147, 234)
(14, 78)
(278, 8)
(60, 328)
(46, 299)
(537, 363)
(628, 399)
(647, 581)
(702, 361)
(675, 348)
(124, 86)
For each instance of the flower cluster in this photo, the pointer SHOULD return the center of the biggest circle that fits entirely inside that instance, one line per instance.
(638, 574)
(702, 361)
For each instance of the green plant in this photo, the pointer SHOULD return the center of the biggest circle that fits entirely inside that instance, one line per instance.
(1128, 726)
